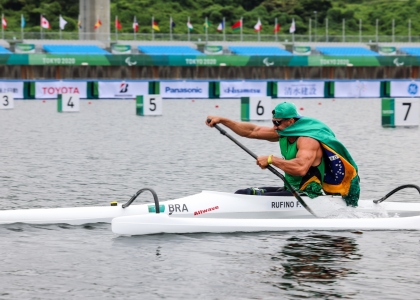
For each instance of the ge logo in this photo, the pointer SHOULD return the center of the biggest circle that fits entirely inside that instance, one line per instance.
(412, 89)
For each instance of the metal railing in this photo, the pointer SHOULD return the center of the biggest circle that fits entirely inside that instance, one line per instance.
(200, 38)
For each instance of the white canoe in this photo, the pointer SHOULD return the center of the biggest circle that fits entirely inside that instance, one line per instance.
(208, 204)
(161, 223)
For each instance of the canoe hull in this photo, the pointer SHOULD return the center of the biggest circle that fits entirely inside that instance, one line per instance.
(161, 223)
(209, 204)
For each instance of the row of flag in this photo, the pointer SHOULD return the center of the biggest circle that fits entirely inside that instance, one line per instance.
(235, 27)
(155, 26)
(43, 22)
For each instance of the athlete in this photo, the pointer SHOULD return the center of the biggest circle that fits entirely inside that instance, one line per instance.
(313, 160)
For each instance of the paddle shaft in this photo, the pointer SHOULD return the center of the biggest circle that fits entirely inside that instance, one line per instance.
(273, 170)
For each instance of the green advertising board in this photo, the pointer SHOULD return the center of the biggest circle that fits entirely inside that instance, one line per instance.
(207, 60)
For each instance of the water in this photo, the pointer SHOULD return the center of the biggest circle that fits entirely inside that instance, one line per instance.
(105, 152)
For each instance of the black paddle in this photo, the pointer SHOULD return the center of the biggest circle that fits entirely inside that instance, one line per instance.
(274, 171)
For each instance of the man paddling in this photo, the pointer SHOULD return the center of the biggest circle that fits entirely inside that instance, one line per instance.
(313, 160)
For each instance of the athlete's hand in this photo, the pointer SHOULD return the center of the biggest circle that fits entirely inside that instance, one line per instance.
(212, 120)
(262, 161)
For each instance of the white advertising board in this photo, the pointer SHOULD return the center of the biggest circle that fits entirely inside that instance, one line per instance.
(405, 88)
(51, 89)
(184, 89)
(237, 89)
(122, 89)
(300, 89)
(357, 89)
(13, 87)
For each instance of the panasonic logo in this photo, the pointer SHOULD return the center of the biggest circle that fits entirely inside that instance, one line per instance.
(183, 90)
(238, 91)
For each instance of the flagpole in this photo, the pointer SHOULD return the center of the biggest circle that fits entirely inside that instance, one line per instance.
(21, 26)
(409, 30)
(2, 27)
(153, 30)
(40, 22)
(170, 28)
(275, 29)
(377, 22)
(393, 30)
(59, 25)
(115, 25)
(258, 31)
(207, 30)
(224, 25)
(293, 33)
(360, 30)
(344, 30)
(326, 29)
(188, 29)
(241, 27)
(310, 29)
(135, 22)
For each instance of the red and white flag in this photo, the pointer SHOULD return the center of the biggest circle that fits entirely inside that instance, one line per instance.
(3, 22)
(276, 28)
(258, 26)
(45, 23)
(135, 25)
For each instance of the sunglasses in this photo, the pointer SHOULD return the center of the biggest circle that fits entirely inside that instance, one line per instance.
(277, 123)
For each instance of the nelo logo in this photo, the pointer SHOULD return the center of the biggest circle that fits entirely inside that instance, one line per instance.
(124, 88)
(60, 90)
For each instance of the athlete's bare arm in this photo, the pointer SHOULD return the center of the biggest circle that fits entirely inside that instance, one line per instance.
(246, 129)
(309, 154)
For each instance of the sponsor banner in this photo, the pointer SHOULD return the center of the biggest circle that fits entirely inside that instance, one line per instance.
(120, 49)
(208, 60)
(24, 48)
(405, 88)
(302, 50)
(300, 89)
(357, 89)
(122, 89)
(213, 50)
(387, 50)
(184, 89)
(51, 89)
(237, 89)
(13, 87)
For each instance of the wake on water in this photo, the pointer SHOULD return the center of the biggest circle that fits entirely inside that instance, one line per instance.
(351, 213)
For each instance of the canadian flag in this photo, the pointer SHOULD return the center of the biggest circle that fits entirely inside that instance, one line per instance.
(3, 22)
(45, 23)
(258, 26)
